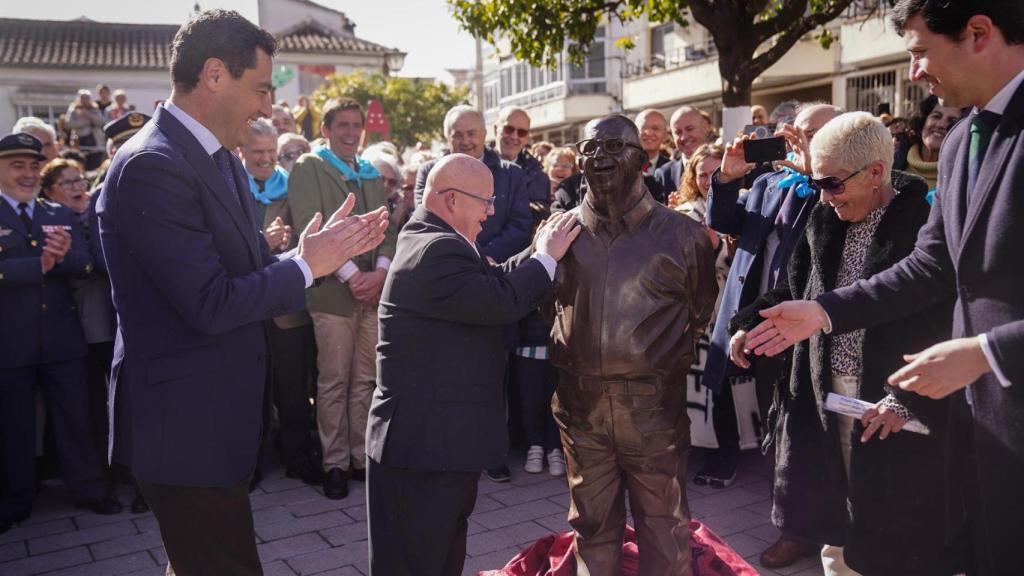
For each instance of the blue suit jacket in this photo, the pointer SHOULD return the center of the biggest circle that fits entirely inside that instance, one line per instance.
(752, 218)
(508, 231)
(970, 251)
(192, 282)
(669, 174)
(40, 319)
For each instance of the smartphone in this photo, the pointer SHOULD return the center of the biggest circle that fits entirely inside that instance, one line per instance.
(764, 150)
(759, 130)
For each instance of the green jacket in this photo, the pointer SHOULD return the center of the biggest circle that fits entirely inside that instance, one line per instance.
(316, 186)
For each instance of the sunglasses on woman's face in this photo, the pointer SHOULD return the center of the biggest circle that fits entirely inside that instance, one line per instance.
(834, 185)
(590, 147)
(510, 130)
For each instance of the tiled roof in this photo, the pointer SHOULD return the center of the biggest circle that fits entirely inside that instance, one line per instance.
(84, 43)
(313, 39)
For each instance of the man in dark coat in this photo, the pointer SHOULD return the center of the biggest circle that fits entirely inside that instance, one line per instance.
(193, 283)
(971, 54)
(438, 414)
(507, 232)
(42, 247)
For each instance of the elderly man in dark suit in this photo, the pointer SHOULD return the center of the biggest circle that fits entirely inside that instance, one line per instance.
(42, 246)
(971, 54)
(438, 414)
(193, 283)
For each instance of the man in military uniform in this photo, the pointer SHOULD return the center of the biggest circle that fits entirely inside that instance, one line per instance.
(632, 297)
(41, 247)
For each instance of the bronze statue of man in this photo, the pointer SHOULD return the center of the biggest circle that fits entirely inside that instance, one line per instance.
(632, 297)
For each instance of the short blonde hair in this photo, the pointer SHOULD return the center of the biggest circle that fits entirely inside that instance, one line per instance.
(855, 140)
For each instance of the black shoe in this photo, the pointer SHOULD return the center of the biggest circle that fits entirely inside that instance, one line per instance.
(336, 484)
(104, 506)
(723, 474)
(499, 474)
(359, 474)
(710, 463)
(307, 472)
(139, 505)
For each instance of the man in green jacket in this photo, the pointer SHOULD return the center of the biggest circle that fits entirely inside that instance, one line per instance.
(343, 306)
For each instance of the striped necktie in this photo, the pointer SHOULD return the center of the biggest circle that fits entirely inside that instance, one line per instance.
(982, 126)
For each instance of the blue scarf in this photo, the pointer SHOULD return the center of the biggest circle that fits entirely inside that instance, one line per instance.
(274, 188)
(930, 197)
(801, 181)
(366, 170)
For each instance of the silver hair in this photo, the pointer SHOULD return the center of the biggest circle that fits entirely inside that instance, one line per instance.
(289, 137)
(26, 123)
(457, 111)
(262, 127)
(507, 111)
(276, 108)
(807, 105)
(855, 140)
(379, 155)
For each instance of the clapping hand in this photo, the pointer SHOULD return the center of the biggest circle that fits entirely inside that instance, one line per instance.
(557, 235)
(943, 368)
(278, 235)
(56, 247)
(325, 248)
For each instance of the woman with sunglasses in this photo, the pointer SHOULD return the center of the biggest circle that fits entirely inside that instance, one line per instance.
(861, 486)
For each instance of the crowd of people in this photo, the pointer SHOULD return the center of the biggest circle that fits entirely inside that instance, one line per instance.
(797, 248)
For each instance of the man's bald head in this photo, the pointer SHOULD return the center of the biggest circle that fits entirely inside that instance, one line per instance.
(691, 128)
(458, 190)
(811, 117)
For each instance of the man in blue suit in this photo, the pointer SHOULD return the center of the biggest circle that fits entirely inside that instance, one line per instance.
(507, 232)
(970, 251)
(193, 283)
(769, 221)
(42, 246)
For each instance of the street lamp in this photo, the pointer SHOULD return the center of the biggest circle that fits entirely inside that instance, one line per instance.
(393, 62)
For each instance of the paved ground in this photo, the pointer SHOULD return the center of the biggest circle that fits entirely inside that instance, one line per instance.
(300, 532)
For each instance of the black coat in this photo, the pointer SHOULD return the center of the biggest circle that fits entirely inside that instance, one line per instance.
(894, 522)
(439, 402)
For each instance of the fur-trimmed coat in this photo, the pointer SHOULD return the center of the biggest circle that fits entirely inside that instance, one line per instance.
(894, 523)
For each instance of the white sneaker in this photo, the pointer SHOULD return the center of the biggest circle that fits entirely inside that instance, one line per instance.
(556, 463)
(534, 460)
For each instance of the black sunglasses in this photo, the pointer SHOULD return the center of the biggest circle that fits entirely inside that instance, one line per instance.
(591, 146)
(832, 184)
(510, 130)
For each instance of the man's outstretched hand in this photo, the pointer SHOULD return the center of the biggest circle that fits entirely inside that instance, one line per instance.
(325, 248)
(557, 235)
(942, 369)
(785, 325)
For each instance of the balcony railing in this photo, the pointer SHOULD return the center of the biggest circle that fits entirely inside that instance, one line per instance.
(672, 60)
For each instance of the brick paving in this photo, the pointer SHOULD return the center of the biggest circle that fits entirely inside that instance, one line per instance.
(299, 532)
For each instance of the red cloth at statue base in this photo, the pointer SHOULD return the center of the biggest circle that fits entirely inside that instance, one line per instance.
(552, 555)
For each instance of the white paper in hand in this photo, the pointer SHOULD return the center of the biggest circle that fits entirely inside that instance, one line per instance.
(856, 408)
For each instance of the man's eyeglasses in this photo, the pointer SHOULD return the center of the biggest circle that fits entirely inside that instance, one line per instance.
(832, 184)
(488, 201)
(73, 183)
(591, 146)
(510, 130)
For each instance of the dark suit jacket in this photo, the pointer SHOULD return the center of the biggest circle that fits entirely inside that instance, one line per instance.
(971, 250)
(193, 281)
(670, 174)
(507, 232)
(40, 319)
(439, 403)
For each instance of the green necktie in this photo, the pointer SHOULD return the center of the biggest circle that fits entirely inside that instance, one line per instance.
(982, 126)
